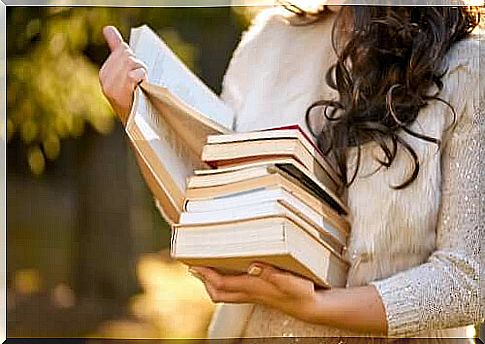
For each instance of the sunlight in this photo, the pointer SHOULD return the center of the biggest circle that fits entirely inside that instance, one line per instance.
(169, 292)
(27, 281)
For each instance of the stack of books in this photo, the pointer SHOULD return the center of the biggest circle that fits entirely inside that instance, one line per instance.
(262, 201)
(233, 198)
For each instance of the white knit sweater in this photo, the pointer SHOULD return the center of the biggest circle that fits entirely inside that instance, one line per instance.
(419, 246)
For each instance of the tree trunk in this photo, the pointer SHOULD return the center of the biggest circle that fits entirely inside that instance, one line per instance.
(105, 247)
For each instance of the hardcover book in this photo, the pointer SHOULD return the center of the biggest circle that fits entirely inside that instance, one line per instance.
(230, 197)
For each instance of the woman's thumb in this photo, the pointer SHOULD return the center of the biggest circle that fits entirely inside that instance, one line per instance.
(112, 37)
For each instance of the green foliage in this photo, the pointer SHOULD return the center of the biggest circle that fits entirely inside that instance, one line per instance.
(53, 88)
(54, 55)
(52, 75)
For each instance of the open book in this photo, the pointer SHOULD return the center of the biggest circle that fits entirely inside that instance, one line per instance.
(168, 129)
(176, 126)
(229, 197)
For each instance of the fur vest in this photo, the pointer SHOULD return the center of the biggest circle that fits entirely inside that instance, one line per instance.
(275, 73)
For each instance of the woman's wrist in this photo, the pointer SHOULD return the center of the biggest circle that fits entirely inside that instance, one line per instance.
(320, 310)
(122, 113)
(358, 308)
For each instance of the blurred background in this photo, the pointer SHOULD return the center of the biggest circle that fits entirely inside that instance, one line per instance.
(87, 250)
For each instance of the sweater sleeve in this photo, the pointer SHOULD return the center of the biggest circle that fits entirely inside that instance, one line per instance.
(444, 292)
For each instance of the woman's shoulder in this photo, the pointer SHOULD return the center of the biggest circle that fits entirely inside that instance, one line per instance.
(275, 29)
(269, 18)
(270, 43)
(257, 46)
(467, 52)
(464, 83)
(265, 29)
(462, 63)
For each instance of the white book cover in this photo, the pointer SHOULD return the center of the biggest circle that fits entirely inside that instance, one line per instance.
(259, 203)
(165, 69)
(171, 116)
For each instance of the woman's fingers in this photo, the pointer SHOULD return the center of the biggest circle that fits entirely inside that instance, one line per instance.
(258, 277)
(133, 63)
(218, 295)
(243, 283)
(221, 288)
(137, 75)
(269, 274)
(262, 284)
(258, 285)
(120, 73)
(285, 284)
(221, 282)
(112, 37)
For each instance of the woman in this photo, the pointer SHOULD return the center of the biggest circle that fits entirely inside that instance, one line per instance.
(393, 99)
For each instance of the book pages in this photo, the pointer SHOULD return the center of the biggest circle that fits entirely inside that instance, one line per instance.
(171, 116)
(164, 160)
(293, 219)
(190, 125)
(165, 143)
(166, 70)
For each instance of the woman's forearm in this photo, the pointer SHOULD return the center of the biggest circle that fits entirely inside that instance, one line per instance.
(356, 309)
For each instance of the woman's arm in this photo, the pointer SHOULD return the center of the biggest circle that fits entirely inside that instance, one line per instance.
(358, 309)
(444, 292)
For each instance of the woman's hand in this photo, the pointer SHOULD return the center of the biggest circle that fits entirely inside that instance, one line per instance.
(120, 73)
(357, 309)
(262, 284)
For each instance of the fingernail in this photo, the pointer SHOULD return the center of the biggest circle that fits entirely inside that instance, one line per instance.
(255, 270)
(195, 273)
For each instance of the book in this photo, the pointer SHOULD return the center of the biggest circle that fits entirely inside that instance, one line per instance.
(279, 241)
(230, 149)
(291, 169)
(172, 115)
(264, 203)
(285, 205)
(218, 189)
(287, 175)
(224, 150)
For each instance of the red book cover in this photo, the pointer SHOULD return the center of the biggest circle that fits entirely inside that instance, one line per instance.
(215, 164)
(305, 135)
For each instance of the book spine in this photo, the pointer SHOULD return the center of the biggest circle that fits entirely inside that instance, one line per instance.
(317, 258)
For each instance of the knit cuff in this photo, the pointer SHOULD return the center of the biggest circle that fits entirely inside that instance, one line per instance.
(400, 304)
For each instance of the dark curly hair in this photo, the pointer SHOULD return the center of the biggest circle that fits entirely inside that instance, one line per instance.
(388, 59)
